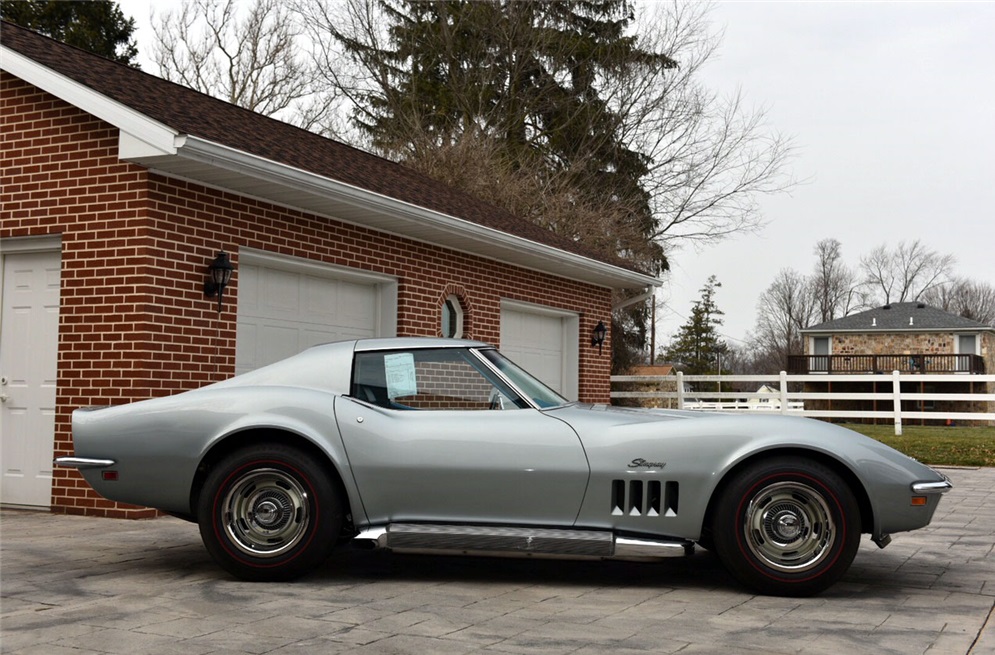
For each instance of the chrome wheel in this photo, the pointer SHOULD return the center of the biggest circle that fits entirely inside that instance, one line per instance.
(269, 511)
(789, 526)
(265, 512)
(786, 525)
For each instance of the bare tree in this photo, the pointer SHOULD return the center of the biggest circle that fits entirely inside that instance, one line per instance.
(905, 273)
(784, 309)
(713, 157)
(836, 286)
(252, 59)
(968, 298)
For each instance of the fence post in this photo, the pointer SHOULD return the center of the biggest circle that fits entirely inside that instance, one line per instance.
(897, 395)
(784, 392)
(680, 390)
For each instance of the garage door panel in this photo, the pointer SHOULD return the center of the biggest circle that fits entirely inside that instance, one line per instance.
(321, 297)
(247, 336)
(248, 291)
(360, 307)
(282, 312)
(279, 341)
(539, 342)
(280, 294)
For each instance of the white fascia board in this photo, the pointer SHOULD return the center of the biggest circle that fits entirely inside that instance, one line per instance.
(214, 154)
(139, 135)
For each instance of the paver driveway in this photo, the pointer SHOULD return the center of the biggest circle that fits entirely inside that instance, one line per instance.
(79, 586)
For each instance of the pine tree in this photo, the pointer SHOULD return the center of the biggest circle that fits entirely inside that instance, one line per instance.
(525, 78)
(98, 26)
(697, 346)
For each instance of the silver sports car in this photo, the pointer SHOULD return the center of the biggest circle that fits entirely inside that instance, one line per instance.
(445, 446)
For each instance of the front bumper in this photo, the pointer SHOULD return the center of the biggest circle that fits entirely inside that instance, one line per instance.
(83, 462)
(941, 487)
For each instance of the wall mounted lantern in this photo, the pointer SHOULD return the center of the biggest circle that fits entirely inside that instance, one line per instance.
(218, 277)
(598, 336)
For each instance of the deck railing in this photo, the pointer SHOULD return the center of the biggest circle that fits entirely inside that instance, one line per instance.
(916, 363)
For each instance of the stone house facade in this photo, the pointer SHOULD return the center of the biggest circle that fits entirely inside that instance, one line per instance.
(910, 338)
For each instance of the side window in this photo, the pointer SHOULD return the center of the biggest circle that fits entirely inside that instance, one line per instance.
(444, 379)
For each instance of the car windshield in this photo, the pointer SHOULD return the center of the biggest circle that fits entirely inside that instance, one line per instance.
(540, 394)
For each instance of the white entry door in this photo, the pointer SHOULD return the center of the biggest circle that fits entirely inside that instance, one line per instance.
(543, 341)
(29, 334)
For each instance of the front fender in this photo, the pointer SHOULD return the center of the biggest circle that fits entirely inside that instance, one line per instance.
(699, 451)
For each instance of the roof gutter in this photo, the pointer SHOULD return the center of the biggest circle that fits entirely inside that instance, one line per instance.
(643, 297)
(217, 155)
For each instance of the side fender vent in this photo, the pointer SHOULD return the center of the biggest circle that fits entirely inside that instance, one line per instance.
(643, 498)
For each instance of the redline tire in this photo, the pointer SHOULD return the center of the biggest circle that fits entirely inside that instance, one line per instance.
(269, 512)
(787, 527)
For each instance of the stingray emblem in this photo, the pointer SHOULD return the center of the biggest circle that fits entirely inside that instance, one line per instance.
(642, 463)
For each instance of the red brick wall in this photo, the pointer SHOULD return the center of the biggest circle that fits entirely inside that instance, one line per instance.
(134, 322)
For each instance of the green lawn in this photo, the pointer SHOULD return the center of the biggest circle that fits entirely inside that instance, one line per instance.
(953, 446)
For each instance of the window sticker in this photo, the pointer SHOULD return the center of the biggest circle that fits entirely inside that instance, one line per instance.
(400, 372)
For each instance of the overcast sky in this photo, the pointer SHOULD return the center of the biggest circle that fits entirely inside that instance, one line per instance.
(892, 109)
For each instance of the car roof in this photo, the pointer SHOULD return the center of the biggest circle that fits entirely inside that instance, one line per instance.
(329, 365)
(409, 343)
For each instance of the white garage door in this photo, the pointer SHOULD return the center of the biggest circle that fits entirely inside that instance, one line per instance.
(543, 341)
(287, 305)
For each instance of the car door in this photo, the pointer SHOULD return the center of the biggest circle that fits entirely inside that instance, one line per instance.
(434, 436)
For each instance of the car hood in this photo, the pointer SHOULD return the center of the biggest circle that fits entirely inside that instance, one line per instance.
(730, 436)
(631, 415)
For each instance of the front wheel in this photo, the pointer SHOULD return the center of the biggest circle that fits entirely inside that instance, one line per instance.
(787, 527)
(269, 512)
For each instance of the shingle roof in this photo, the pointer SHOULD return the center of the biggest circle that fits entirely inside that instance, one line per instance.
(196, 114)
(900, 317)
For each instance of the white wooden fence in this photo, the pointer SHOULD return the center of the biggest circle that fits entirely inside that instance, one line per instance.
(793, 402)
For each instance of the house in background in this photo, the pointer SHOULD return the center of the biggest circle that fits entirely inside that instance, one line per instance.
(668, 385)
(119, 189)
(771, 400)
(907, 337)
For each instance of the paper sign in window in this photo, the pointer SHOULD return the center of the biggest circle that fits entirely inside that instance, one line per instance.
(400, 371)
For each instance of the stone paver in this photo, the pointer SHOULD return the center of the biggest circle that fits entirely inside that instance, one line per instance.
(89, 586)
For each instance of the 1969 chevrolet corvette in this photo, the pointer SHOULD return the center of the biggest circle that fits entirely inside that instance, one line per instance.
(445, 446)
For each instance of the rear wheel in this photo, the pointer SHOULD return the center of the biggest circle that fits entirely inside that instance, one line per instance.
(787, 527)
(269, 512)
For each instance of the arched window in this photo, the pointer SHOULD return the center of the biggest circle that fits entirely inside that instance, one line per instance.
(452, 318)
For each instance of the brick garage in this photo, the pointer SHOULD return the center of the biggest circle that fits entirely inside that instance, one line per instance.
(135, 239)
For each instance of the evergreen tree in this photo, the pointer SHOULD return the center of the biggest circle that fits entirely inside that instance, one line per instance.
(697, 347)
(97, 25)
(524, 79)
